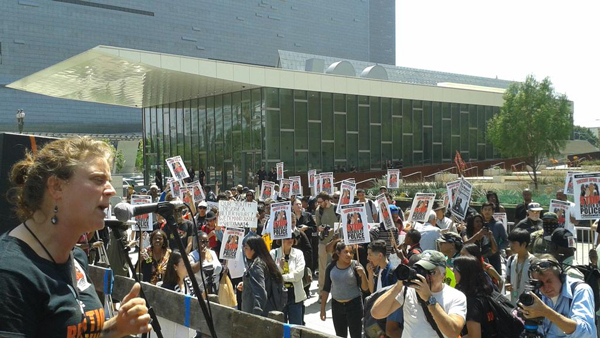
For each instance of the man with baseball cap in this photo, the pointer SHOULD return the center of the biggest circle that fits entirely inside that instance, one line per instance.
(447, 306)
(533, 222)
(562, 247)
(450, 245)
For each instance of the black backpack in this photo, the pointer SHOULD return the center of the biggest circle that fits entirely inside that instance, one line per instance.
(504, 316)
(374, 328)
(591, 276)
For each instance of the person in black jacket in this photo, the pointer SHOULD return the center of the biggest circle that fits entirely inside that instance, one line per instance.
(521, 209)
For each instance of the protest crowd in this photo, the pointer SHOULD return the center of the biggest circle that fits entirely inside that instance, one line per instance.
(438, 269)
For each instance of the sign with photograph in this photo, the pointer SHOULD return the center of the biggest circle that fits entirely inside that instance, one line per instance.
(232, 243)
(462, 197)
(347, 190)
(451, 188)
(354, 224)
(502, 218)
(279, 171)
(586, 190)
(234, 214)
(311, 177)
(327, 183)
(569, 182)
(142, 222)
(385, 215)
(393, 178)
(421, 206)
(197, 191)
(266, 190)
(281, 220)
(285, 190)
(177, 168)
(296, 185)
(561, 209)
(176, 188)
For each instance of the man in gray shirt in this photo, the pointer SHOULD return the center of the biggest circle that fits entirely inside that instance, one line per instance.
(325, 217)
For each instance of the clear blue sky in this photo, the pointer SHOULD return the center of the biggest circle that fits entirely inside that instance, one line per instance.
(508, 39)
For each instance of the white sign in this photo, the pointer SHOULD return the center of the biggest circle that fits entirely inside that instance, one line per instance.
(266, 190)
(285, 190)
(354, 224)
(393, 178)
(296, 185)
(385, 214)
(231, 248)
(451, 188)
(142, 222)
(561, 209)
(281, 220)
(327, 183)
(502, 218)
(421, 206)
(347, 190)
(569, 182)
(279, 171)
(177, 168)
(586, 190)
(197, 191)
(234, 214)
(176, 188)
(311, 178)
(460, 205)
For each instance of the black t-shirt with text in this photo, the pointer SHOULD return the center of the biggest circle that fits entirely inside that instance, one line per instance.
(38, 299)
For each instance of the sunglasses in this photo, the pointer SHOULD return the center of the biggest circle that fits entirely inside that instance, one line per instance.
(202, 208)
(543, 265)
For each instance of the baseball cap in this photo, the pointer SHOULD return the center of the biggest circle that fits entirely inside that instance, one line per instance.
(154, 186)
(203, 204)
(550, 217)
(561, 237)
(210, 216)
(450, 237)
(394, 209)
(533, 206)
(240, 187)
(430, 259)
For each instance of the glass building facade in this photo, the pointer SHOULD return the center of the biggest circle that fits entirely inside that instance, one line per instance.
(232, 135)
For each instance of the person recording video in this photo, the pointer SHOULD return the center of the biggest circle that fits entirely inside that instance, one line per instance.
(60, 192)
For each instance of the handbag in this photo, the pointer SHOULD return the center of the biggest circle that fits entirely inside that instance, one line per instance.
(226, 292)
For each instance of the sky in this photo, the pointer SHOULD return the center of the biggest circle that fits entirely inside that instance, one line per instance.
(508, 39)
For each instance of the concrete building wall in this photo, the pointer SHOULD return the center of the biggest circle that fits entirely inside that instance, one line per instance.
(35, 34)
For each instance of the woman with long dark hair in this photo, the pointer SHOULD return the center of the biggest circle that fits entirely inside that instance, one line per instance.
(345, 278)
(472, 250)
(176, 279)
(155, 257)
(481, 236)
(261, 279)
(492, 197)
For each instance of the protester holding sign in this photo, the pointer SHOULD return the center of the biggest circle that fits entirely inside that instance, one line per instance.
(211, 267)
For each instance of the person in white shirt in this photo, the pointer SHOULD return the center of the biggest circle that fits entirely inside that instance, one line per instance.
(443, 222)
(429, 232)
(372, 212)
(448, 306)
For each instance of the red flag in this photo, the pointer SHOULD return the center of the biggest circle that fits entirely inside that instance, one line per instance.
(460, 164)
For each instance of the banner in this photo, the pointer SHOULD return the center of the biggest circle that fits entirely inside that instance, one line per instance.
(176, 188)
(279, 171)
(586, 190)
(311, 178)
(502, 218)
(234, 214)
(266, 190)
(177, 168)
(281, 220)
(393, 178)
(451, 188)
(385, 215)
(285, 190)
(347, 190)
(197, 191)
(354, 223)
(569, 182)
(462, 197)
(421, 206)
(327, 183)
(142, 222)
(232, 243)
(296, 185)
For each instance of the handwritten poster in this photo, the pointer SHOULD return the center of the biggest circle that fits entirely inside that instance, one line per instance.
(234, 214)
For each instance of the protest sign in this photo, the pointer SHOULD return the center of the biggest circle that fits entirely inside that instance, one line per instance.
(232, 243)
(234, 214)
(327, 183)
(385, 215)
(445, 199)
(318, 182)
(354, 224)
(311, 178)
(586, 190)
(286, 188)
(451, 188)
(266, 190)
(351, 180)
(421, 206)
(462, 197)
(281, 220)
(176, 187)
(279, 171)
(296, 185)
(347, 190)
(186, 195)
(197, 191)
(142, 222)
(563, 210)
(569, 182)
(393, 178)
(502, 218)
(177, 168)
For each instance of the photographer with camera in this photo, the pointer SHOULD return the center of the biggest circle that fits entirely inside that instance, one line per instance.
(325, 217)
(421, 293)
(565, 304)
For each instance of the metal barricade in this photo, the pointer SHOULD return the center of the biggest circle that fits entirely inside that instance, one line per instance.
(586, 240)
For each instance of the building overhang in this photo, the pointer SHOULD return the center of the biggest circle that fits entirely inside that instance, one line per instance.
(135, 78)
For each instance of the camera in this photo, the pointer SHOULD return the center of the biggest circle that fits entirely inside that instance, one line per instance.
(531, 324)
(325, 233)
(407, 274)
(209, 278)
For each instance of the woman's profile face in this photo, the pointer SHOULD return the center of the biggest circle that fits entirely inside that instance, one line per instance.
(84, 197)
(248, 252)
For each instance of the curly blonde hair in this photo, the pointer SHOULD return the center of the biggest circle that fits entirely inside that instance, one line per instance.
(60, 159)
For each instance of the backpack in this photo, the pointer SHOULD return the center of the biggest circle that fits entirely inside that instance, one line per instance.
(374, 328)
(504, 316)
(277, 295)
(591, 277)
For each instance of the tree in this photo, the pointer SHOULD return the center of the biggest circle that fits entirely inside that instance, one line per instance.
(534, 123)
(583, 133)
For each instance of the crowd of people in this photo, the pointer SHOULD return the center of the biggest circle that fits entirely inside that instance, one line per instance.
(443, 277)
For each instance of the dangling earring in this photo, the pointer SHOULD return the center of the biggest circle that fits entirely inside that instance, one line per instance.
(54, 219)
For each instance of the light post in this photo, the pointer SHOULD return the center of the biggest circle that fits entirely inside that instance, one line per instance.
(20, 119)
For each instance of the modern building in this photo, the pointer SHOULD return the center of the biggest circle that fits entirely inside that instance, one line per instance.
(232, 118)
(36, 34)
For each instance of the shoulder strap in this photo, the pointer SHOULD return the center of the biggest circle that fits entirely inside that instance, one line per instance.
(511, 259)
(353, 266)
(429, 317)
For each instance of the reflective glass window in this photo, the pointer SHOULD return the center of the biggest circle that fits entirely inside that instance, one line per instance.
(339, 101)
(327, 116)
(437, 122)
(418, 129)
(340, 136)
(407, 117)
(314, 145)
(286, 108)
(375, 146)
(273, 137)
(363, 128)
(397, 133)
(352, 113)
(287, 150)
(301, 124)
(352, 150)
(386, 120)
(327, 156)
(375, 109)
(272, 97)
(314, 106)
(407, 154)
